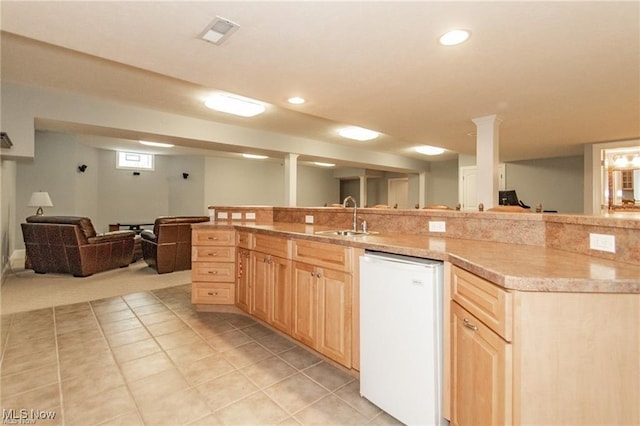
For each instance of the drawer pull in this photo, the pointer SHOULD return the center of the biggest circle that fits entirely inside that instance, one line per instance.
(212, 272)
(212, 254)
(213, 293)
(468, 324)
(212, 238)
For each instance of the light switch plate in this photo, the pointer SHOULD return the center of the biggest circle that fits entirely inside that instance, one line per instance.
(308, 218)
(602, 242)
(437, 226)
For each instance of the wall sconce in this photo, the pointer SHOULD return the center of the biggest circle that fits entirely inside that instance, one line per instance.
(82, 168)
(40, 200)
(136, 173)
(185, 175)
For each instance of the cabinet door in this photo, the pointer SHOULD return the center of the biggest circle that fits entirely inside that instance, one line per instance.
(243, 286)
(481, 368)
(280, 294)
(304, 303)
(260, 285)
(334, 315)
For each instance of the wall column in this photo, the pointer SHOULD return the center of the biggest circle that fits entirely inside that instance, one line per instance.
(363, 190)
(422, 189)
(487, 159)
(290, 179)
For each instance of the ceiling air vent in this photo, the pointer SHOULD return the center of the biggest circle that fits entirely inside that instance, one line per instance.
(219, 30)
(5, 142)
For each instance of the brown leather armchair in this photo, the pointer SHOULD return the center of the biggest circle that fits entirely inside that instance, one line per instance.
(70, 244)
(168, 247)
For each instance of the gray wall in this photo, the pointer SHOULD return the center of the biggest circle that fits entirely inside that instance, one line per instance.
(442, 183)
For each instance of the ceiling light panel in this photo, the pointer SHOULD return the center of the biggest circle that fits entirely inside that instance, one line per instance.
(255, 156)
(236, 105)
(358, 133)
(429, 150)
(157, 144)
(454, 37)
(219, 30)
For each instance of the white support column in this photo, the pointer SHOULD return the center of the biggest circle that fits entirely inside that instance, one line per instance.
(422, 188)
(487, 159)
(363, 191)
(290, 179)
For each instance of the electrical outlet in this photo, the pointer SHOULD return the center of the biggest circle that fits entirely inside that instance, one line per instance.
(236, 216)
(437, 226)
(308, 218)
(222, 215)
(250, 216)
(602, 242)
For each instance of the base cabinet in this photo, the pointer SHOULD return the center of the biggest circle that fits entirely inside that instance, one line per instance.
(213, 266)
(243, 283)
(271, 290)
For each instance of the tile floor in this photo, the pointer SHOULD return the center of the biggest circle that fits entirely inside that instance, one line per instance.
(149, 359)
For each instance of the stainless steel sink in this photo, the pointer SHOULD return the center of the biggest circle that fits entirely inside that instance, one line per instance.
(345, 232)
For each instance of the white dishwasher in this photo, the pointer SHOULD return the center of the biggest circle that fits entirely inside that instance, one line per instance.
(401, 336)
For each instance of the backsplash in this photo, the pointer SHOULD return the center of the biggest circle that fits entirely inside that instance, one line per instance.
(564, 232)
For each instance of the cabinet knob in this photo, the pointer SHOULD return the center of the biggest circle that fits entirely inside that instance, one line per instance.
(468, 324)
(313, 274)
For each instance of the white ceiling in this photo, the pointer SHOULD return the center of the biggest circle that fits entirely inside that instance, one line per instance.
(559, 74)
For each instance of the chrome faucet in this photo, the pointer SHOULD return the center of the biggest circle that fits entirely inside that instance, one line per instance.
(355, 208)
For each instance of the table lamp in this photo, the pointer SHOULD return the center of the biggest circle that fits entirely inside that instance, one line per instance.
(40, 200)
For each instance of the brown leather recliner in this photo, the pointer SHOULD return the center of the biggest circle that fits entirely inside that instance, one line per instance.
(168, 247)
(70, 244)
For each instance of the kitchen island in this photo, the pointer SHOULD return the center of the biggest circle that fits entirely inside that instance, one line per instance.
(534, 334)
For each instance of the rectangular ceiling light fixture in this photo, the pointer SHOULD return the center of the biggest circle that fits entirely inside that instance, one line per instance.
(219, 30)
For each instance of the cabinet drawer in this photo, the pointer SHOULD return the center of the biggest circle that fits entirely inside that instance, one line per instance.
(213, 237)
(219, 293)
(244, 239)
(213, 254)
(274, 246)
(323, 254)
(213, 272)
(488, 302)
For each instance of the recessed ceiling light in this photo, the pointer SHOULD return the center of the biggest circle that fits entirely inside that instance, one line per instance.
(429, 150)
(318, 163)
(358, 133)
(255, 156)
(157, 144)
(296, 100)
(453, 37)
(236, 105)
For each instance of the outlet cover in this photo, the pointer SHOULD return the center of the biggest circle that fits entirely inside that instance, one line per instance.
(437, 226)
(308, 218)
(602, 242)
(236, 216)
(250, 216)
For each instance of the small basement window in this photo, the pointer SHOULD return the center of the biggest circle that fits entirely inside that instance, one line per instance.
(134, 160)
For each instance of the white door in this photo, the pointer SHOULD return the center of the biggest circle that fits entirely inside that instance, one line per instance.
(398, 193)
(468, 186)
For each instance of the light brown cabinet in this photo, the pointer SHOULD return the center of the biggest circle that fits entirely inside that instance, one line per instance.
(322, 298)
(549, 358)
(243, 283)
(213, 266)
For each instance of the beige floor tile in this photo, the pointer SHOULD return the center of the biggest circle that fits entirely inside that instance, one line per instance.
(296, 392)
(300, 358)
(208, 420)
(92, 382)
(206, 369)
(276, 343)
(268, 371)
(152, 388)
(28, 362)
(257, 409)
(156, 317)
(189, 353)
(135, 350)
(385, 419)
(47, 343)
(149, 309)
(146, 366)
(226, 389)
(99, 408)
(81, 338)
(209, 330)
(128, 336)
(119, 315)
(129, 419)
(29, 380)
(178, 408)
(83, 363)
(256, 331)
(18, 335)
(122, 325)
(351, 394)
(328, 376)
(42, 398)
(246, 354)
(330, 410)
(104, 309)
(140, 299)
(167, 327)
(239, 320)
(177, 338)
(82, 306)
(73, 326)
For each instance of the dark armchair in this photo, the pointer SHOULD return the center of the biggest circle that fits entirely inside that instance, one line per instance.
(70, 244)
(168, 247)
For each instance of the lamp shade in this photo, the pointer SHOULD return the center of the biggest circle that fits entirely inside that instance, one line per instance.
(40, 200)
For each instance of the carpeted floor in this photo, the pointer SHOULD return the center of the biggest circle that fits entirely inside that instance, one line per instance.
(24, 290)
